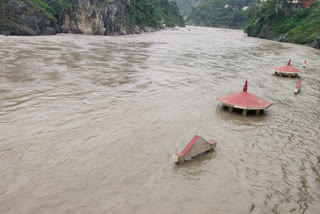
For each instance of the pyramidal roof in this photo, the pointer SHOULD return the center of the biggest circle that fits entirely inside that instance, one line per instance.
(245, 100)
(287, 68)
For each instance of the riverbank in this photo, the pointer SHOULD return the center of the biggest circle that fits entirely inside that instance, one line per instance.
(103, 17)
(300, 27)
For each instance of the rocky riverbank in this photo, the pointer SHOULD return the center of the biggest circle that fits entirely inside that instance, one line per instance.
(301, 26)
(97, 17)
(25, 18)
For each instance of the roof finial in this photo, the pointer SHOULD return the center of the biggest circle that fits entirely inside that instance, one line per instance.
(245, 87)
(289, 62)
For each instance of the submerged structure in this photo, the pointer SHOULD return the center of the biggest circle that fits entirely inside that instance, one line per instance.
(287, 70)
(195, 147)
(298, 87)
(245, 101)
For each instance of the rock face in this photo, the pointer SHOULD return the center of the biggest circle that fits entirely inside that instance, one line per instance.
(318, 42)
(98, 17)
(23, 18)
(282, 39)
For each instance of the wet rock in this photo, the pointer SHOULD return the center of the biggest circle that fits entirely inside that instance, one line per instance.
(97, 17)
(282, 39)
(20, 18)
(65, 29)
(318, 42)
(137, 30)
(148, 29)
(122, 32)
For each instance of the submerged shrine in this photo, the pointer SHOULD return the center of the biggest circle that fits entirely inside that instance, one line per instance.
(245, 101)
(195, 147)
(288, 70)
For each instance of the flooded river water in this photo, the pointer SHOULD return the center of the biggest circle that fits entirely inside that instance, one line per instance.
(89, 124)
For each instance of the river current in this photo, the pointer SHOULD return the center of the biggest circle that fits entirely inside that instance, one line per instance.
(89, 124)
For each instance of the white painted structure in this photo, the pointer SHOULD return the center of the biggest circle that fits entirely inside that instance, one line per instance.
(195, 147)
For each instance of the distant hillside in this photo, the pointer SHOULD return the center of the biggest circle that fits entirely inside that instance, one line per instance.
(302, 26)
(186, 6)
(150, 12)
(214, 13)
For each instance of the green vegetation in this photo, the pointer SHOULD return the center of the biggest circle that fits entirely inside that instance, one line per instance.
(35, 13)
(151, 12)
(302, 26)
(215, 13)
(45, 8)
(186, 6)
(170, 14)
(52, 9)
(58, 6)
(144, 12)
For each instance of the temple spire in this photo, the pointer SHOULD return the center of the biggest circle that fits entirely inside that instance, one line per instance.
(245, 87)
(289, 62)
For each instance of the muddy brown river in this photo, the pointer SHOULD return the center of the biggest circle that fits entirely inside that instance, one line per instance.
(89, 124)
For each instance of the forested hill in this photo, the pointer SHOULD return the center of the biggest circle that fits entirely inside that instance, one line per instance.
(215, 13)
(301, 26)
(100, 17)
(186, 6)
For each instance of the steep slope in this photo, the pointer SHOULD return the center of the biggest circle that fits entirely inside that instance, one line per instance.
(186, 6)
(219, 13)
(302, 26)
(214, 13)
(26, 17)
(152, 12)
(99, 17)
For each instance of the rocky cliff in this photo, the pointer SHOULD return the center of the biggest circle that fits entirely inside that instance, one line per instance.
(25, 18)
(317, 45)
(99, 17)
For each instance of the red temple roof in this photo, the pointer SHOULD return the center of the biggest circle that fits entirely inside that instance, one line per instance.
(245, 100)
(287, 69)
(305, 4)
(190, 144)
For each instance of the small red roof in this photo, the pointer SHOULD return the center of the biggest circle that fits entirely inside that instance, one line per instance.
(287, 69)
(245, 100)
(306, 3)
(190, 144)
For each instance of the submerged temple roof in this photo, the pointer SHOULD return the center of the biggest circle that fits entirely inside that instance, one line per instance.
(287, 69)
(245, 100)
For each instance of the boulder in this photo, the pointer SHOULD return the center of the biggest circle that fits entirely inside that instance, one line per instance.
(282, 39)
